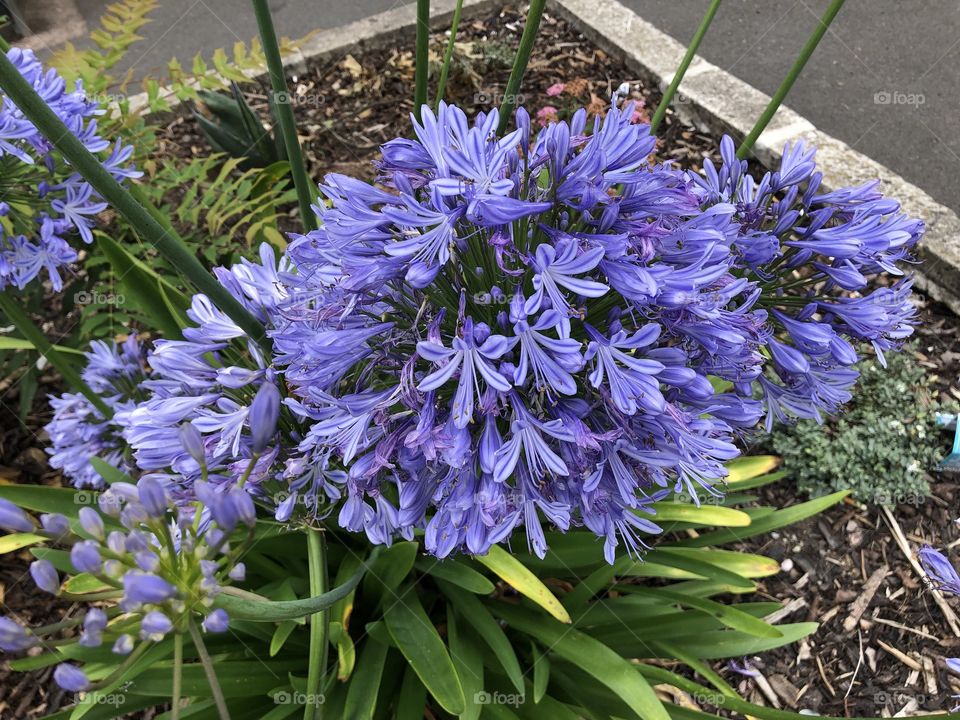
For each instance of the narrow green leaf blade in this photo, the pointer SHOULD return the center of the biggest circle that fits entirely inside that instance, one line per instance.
(515, 574)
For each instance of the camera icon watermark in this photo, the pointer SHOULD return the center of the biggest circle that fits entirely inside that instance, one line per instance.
(499, 698)
(678, 97)
(85, 497)
(896, 97)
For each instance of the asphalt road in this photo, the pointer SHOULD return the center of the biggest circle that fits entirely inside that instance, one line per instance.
(885, 78)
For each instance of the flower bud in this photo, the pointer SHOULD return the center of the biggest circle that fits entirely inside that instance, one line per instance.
(56, 525)
(85, 556)
(117, 542)
(153, 496)
(13, 518)
(14, 637)
(71, 678)
(145, 588)
(91, 522)
(216, 622)
(192, 442)
(147, 560)
(155, 625)
(123, 645)
(44, 574)
(263, 417)
(238, 572)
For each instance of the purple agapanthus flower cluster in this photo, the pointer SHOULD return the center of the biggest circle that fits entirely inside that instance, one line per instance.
(161, 566)
(45, 201)
(79, 431)
(507, 330)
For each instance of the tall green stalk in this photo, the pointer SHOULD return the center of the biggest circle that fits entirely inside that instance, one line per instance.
(530, 29)
(288, 125)
(317, 562)
(11, 308)
(422, 67)
(210, 671)
(169, 245)
(778, 97)
(448, 53)
(177, 675)
(684, 64)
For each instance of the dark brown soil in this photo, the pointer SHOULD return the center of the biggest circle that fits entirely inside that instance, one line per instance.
(346, 108)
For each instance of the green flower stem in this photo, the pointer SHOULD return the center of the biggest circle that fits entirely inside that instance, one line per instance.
(177, 675)
(422, 60)
(4, 45)
(11, 308)
(288, 126)
(822, 25)
(684, 64)
(530, 29)
(210, 672)
(448, 53)
(170, 246)
(316, 559)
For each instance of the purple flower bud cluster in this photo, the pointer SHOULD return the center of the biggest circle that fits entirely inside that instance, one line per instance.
(160, 564)
(78, 431)
(536, 327)
(65, 204)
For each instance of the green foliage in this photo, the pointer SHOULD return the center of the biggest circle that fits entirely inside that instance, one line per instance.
(233, 128)
(508, 635)
(881, 448)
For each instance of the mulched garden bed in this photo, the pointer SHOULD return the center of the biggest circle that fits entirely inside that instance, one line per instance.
(882, 639)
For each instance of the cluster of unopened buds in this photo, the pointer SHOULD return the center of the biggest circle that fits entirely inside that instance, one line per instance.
(160, 567)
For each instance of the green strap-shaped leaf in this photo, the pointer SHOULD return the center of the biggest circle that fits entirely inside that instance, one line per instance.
(143, 285)
(591, 656)
(109, 473)
(9, 543)
(243, 608)
(365, 683)
(468, 662)
(726, 614)
(474, 612)
(12, 343)
(746, 468)
(44, 499)
(703, 515)
(513, 572)
(421, 645)
(695, 565)
(458, 573)
(746, 565)
(763, 524)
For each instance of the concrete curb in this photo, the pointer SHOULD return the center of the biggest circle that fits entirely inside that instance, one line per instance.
(716, 100)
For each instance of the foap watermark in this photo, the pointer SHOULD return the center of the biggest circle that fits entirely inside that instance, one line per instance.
(85, 497)
(714, 699)
(494, 98)
(95, 297)
(897, 97)
(299, 99)
(308, 500)
(499, 698)
(296, 697)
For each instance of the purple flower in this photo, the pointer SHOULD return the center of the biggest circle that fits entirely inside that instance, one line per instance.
(13, 518)
(146, 588)
(154, 626)
(14, 637)
(85, 557)
(45, 576)
(471, 355)
(71, 678)
(217, 621)
(940, 570)
(264, 413)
